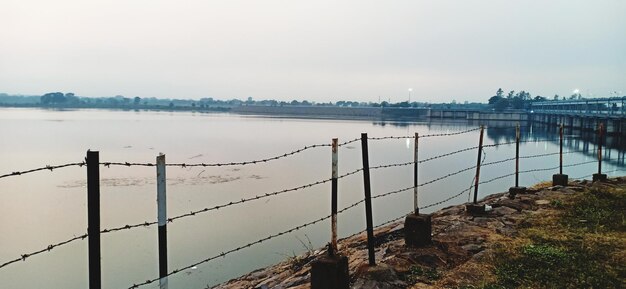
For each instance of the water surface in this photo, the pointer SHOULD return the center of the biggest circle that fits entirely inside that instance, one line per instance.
(46, 207)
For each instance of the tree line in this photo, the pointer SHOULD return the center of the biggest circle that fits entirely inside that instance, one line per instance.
(521, 99)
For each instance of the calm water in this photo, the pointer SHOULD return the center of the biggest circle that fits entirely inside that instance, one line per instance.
(47, 207)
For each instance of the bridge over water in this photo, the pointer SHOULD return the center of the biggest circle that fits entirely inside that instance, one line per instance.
(583, 114)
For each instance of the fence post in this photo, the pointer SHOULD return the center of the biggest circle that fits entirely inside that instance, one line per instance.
(162, 219)
(417, 227)
(599, 176)
(368, 200)
(415, 179)
(331, 271)
(93, 218)
(560, 179)
(517, 189)
(474, 208)
(335, 166)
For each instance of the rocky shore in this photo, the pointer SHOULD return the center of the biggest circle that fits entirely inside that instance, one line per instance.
(459, 254)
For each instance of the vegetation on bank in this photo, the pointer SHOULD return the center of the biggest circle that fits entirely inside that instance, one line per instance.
(70, 100)
(579, 242)
(500, 101)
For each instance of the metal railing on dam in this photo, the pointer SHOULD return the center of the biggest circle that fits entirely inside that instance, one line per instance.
(605, 107)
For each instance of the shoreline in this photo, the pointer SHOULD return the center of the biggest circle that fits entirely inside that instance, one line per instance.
(462, 243)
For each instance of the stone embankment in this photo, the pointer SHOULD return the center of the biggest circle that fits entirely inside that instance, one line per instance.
(460, 243)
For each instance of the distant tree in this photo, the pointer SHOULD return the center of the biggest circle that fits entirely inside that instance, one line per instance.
(494, 99)
(575, 96)
(502, 104)
(539, 98)
(511, 94)
(517, 102)
(171, 105)
(556, 97)
(53, 98)
(136, 100)
(500, 92)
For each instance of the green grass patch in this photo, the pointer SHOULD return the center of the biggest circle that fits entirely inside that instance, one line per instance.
(579, 243)
(598, 210)
(418, 273)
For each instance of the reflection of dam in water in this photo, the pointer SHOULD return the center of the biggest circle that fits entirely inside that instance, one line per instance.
(582, 141)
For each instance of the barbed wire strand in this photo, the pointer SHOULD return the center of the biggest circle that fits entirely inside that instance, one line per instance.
(458, 195)
(169, 220)
(225, 253)
(424, 136)
(47, 167)
(348, 142)
(257, 197)
(23, 257)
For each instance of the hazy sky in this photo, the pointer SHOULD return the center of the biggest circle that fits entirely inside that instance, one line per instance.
(317, 50)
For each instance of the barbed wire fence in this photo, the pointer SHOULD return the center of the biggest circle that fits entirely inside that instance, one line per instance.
(25, 256)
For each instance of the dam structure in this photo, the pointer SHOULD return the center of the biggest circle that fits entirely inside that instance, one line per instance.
(582, 114)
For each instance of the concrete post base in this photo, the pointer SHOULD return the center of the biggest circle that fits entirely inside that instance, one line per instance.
(330, 272)
(417, 230)
(516, 190)
(559, 180)
(475, 209)
(599, 177)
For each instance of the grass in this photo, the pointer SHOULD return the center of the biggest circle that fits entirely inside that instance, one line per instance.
(580, 242)
(417, 273)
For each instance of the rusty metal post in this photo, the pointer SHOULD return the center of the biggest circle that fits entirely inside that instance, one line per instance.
(599, 176)
(480, 152)
(415, 181)
(335, 167)
(93, 218)
(162, 220)
(474, 208)
(560, 179)
(368, 200)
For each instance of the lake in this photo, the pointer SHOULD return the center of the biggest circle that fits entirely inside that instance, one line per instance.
(46, 207)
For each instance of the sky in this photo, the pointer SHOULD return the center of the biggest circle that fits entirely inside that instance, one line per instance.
(462, 50)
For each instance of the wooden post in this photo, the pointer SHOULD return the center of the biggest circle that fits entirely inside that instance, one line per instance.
(368, 200)
(162, 220)
(93, 218)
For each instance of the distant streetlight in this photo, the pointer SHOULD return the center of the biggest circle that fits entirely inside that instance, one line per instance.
(410, 89)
